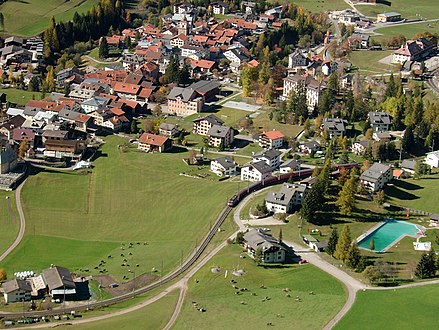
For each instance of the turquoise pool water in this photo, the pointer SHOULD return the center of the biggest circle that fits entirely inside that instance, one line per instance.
(388, 234)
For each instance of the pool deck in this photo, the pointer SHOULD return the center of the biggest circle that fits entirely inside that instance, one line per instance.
(382, 223)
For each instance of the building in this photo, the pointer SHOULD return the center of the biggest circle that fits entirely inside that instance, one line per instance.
(290, 166)
(359, 40)
(314, 89)
(380, 121)
(336, 127)
(359, 147)
(271, 139)
(16, 290)
(202, 125)
(388, 17)
(60, 148)
(432, 159)
(224, 166)
(59, 282)
(150, 143)
(184, 101)
(258, 171)
(8, 158)
(286, 198)
(272, 250)
(376, 176)
(314, 243)
(409, 165)
(414, 50)
(220, 8)
(220, 136)
(168, 130)
(298, 59)
(271, 157)
(309, 147)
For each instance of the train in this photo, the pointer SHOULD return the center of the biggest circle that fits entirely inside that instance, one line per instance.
(280, 179)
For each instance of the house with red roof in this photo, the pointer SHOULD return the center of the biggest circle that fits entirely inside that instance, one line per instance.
(271, 140)
(151, 142)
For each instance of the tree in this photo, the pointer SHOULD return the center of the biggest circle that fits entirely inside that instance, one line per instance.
(332, 242)
(346, 197)
(343, 244)
(103, 48)
(3, 275)
(372, 273)
(353, 256)
(420, 169)
(23, 148)
(380, 197)
(313, 202)
(280, 236)
(133, 128)
(49, 83)
(2, 22)
(34, 84)
(372, 245)
(258, 255)
(426, 266)
(408, 140)
(239, 237)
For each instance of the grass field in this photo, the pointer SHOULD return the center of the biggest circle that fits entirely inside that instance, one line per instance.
(130, 197)
(19, 96)
(368, 61)
(224, 309)
(416, 194)
(28, 18)
(9, 220)
(426, 8)
(317, 6)
(398, 310)
(154, 316)
(408, 30)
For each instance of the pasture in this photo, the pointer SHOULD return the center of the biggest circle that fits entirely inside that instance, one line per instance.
(426, 9)
(9, 220)
(19, 96)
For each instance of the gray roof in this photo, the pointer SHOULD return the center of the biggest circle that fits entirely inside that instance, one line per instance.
(14, 39)
(68, 114)
(374, 172)
(204, 86)
(187, 94)
(390, 14)
(219, 131)
(261, 167)
(226, 162)
(269, 154)
(57, 277)
(290, 163)
(364, 143)
(380, 118)
(408, 164)
(51, 134)
(96, 101)
(167, 126)
(285, 194)
(212, 119)
(311, 144)
(256, 238)
(16, 284)
(30, 111)
(336, 124)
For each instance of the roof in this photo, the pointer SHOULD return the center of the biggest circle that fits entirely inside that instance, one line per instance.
(167, 126)
(390, 14)
(337, 124)
(219, 131)
(205, 86)
(257, 238)
(285, 194)
(409, 164)
(261, 166)
(14, 122)
(55, 134)
(186, 94)
(19, 134)
(374, 172)
(151, 139)
(16, 284)
(379, 118)
(269, 154)
(57, 277)
(126, 88)
(292, 163)
(204, 64)
(212, 119)
(226, 162)
(273, 135)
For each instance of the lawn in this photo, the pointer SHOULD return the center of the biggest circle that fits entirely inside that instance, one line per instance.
(154, 316)
(408, 30)
(9, 220)
(130, 197)
(317, 6)
(19, 96)
(368, 61)
(394, 309)
(28, 18)
(251, 309)
(416, 194)
(426, 8)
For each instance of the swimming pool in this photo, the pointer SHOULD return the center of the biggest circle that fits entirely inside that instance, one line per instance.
(387, 234)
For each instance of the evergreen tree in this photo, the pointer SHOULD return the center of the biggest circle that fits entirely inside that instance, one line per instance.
(408, 140)
(332, 242)
(133, 128)
(343, 244)
(426, 267)
(353, 256)
(103, 48)
(391, 88)
(346, 199)
(312, 203)
(258, 255)
(2, 22)
(184, 75)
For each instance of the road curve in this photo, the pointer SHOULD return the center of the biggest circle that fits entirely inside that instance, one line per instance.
(22, 223)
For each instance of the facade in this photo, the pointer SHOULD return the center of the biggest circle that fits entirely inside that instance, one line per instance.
(314, 89)
(220, 8)
(432, 159)
(184, 101)
(224, 166)
(297, 59)
(271, 140)
(414, 50)
(258, 171)
(388, 17)
(59, 282)
(220, 135)
(17, 290)
(202, 125)
(359, 147)
(335, 126)
(376, 176)
(271, 248)
(309, 146)
(290, 166)
(150, 143)
(168, 130)
(271, 157)
(409, 165)
(59, 149)
(380, 121)
(286, 198)
(8, 158)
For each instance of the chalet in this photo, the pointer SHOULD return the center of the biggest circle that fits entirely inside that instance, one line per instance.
(179, 41)
(286, 198)
(414, 50)
(7, 127)
(359, 40)
(380, 121)
(202, 125)
(376, 176)
(271, 139)
(150, 143)
(201, 66)
(409, 165)
(132, 62)
(432, 159)
(272, 249)
(224, 166)
(20, 134)
(220, 136)
(94, 104)
(289, 166)
(309, 146)
(168, 130)
(61, 149)
(381, 136)
(359, 147)
(17, 290)
(336, 126)
(184, 101)
(297, 59)
(257, 171)
(219, 8)
(271, 157)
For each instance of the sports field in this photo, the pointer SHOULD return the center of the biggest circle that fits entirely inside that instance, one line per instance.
(9, 220)
(77, 220)
(30, 17)
(394, 309)
(421, 9)
(266, 298)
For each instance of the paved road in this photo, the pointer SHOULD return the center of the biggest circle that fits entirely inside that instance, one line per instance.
(22, 222)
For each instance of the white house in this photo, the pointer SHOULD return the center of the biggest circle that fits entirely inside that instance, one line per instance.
(17, 290)
(258, 171)
(286, 198)
(272, 250)
(223, 166)
(271, 157)
(220, 135)
(271, 139)
(432, 159)
(335, 126)
(376, 176)
(290, 166)
(380, 121)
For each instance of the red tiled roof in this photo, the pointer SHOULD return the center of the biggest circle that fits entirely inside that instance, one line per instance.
(117, 111)
(273, 135)
(253, 63)
(145, 93)
(151, 139)
(82, 118)
(205, 64)
(199, 38)
(126, 88)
